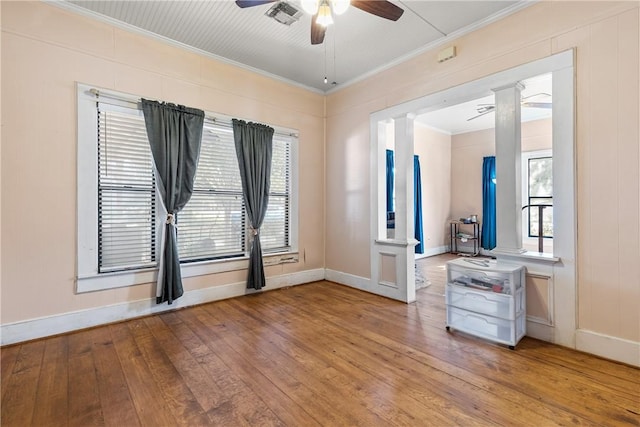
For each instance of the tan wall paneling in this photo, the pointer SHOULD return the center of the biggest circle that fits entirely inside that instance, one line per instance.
(605, 35)
(434, 149)
(45, 51)
(539, 298)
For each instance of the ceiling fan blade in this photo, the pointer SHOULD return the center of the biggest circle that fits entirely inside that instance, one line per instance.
(483, 108)
(548, 95)
(383, 9)
(480, 115)
(317, 31)
(537, 104)
(251, 3)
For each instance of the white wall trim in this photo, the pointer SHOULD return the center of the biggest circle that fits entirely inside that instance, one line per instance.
(449, 38)
(609, 347)
(551, 308)
(358, 282)
(433, 252)
(539, 330)
(70, 7)
(60, 323)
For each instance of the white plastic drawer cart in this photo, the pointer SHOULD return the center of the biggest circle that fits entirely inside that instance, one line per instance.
(486, 298)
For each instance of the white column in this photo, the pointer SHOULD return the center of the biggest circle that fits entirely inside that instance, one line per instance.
(405, 266)
(396, 255)
(403, 128)
(508, 169)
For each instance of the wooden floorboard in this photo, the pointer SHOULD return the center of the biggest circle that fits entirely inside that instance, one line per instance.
(19, 398)
(52, 399)
(318, 354)
(410, 354)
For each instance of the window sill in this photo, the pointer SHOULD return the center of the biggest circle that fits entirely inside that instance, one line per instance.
(120, 279)
(538, 257)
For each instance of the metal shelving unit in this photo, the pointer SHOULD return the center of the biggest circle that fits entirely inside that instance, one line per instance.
(472, 238)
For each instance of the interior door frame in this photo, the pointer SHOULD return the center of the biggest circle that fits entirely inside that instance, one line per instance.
(400, 249)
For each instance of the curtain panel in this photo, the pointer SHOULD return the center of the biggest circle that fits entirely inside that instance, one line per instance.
(417, 205)
(488, 240)
(254, 148)
(390, 173)
(175, 136)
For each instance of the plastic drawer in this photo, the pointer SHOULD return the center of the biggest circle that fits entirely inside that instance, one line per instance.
(485, 302)
(497, 277)
(488, 327)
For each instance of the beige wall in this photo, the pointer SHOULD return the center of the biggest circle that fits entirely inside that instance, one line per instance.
(467, 151)
(0, 166)
(434, 149)
(45, 51)
(605, 35)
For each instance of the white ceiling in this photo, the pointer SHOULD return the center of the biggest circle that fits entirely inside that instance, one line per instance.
(455, 119)
(356, 45)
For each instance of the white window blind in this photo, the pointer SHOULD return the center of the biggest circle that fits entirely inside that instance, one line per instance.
(126, 192)
(274, 234)
(211, 226)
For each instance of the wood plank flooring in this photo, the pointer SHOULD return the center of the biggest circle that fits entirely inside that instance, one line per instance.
(316, 354)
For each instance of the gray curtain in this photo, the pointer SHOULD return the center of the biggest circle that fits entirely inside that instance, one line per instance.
(175, 135)
(254, 148)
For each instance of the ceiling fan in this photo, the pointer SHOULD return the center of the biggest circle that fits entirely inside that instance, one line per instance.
(483, 109)
(322, 11)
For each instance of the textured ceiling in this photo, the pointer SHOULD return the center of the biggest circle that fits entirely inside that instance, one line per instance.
(358, 44)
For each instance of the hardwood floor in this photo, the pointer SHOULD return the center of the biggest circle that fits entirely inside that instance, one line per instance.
(433, 269)
(316, 354)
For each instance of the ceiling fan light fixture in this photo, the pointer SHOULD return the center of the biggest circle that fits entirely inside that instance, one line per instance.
(340, 6)
(310, 6)
(324, 14)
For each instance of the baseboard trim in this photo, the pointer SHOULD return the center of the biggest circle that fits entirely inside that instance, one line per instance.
(13, 333)
(539, 331)
(606, 346)
(433, 252)
(609, 347)
(358, 282)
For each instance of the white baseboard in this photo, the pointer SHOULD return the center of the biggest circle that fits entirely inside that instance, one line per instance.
(60, 323)
(433, 252)
(539, 331)
(609, 347)
(588, 341)
(358, 282)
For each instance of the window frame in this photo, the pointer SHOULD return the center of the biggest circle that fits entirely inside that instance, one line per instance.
(88, 277)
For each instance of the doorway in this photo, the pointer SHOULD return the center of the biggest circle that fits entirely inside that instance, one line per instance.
(392, 260)
(455, 140)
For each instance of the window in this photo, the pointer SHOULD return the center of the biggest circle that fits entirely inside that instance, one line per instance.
(537, 195)
(212, 225)
(540, 193)
(119, 235)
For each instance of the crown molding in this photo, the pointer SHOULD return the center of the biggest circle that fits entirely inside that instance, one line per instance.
(70, 7)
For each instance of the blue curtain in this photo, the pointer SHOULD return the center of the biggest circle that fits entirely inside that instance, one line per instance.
(390, 172)
(489, 202)
(417, 204)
